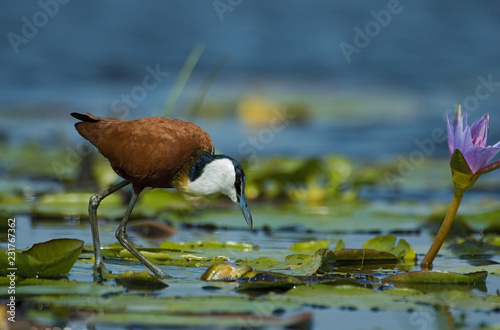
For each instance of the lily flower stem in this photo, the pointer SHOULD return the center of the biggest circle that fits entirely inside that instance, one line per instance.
(443, 231)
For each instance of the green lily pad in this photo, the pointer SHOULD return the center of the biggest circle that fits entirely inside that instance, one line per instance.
(48, 259)
(259, 263)
(140, 281)
(195, 245)
(267, 281)
(222, 320)
(299, 264)
(437, 277)
(160, 257)
(310, 246)
(387, 243)
(364, 256)
(45, 287)
(170, 305)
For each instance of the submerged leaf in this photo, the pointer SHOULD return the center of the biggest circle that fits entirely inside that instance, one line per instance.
(48, 259)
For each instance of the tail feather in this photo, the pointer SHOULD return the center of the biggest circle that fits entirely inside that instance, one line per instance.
(84, 118)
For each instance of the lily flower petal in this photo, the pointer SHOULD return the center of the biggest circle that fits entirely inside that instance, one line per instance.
(471, 141)
(479, 131)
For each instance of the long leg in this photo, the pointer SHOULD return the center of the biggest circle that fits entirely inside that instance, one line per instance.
(94, 202)
(121, 235)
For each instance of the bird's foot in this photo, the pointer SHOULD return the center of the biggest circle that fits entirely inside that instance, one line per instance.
(100, 272)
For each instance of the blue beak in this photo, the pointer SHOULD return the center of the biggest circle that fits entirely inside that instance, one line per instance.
(245, 210)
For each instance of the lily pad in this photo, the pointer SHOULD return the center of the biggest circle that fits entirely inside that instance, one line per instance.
(45, 287)
(267, 281)
(259, 263)
(195, 245)
(140, 281)
(310, 246)
(48, 259)
(364, 256)
(387, 243)
(160, 257)
(299, 264)
(239, 321)
(172, 305)
(440, 277)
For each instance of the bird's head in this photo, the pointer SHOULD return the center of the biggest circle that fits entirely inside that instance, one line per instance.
(219, 173)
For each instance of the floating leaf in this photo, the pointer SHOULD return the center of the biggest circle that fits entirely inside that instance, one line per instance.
(381, 243)
(196, 305)
(48, 259)
(207, 245)
(364, 256)
(386, 243)
(441, 277)
(352, 297)
(339, 246)
(219, 320)
(45, 287)
(267, 281)
(140, 281)
(259, 263)
(310, 246)
(299, 264)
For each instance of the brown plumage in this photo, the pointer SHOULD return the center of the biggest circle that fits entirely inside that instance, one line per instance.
(148, 152)
(159, 153)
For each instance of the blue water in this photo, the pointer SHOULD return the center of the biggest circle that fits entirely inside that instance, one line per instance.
(61, 56)
(417, 62)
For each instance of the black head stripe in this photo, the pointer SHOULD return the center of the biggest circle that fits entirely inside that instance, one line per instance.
(239, 183)
(199, 165)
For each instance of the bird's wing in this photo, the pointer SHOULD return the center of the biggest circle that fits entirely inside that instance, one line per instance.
(148, 151)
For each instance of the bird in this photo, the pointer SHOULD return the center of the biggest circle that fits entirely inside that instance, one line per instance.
(158, 152)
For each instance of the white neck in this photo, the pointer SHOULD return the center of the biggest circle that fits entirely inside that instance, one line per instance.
(217, 176)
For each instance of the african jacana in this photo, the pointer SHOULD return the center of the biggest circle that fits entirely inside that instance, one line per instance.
(158, 152)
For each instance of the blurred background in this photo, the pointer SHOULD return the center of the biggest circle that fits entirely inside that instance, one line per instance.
(364, 80)
(336, 109)
(370, 84)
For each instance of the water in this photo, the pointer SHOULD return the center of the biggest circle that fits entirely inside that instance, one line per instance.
(372, 106)
(426, 58)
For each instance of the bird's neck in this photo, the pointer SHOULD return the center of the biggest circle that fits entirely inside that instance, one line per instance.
(182, 178)
(209, 174)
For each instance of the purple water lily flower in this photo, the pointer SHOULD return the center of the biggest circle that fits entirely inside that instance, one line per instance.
(469, 160)
(471, 141)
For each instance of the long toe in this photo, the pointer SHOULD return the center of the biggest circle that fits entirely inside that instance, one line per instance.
(100, 270)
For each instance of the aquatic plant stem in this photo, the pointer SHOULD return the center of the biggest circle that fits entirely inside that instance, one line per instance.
(445, 228)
